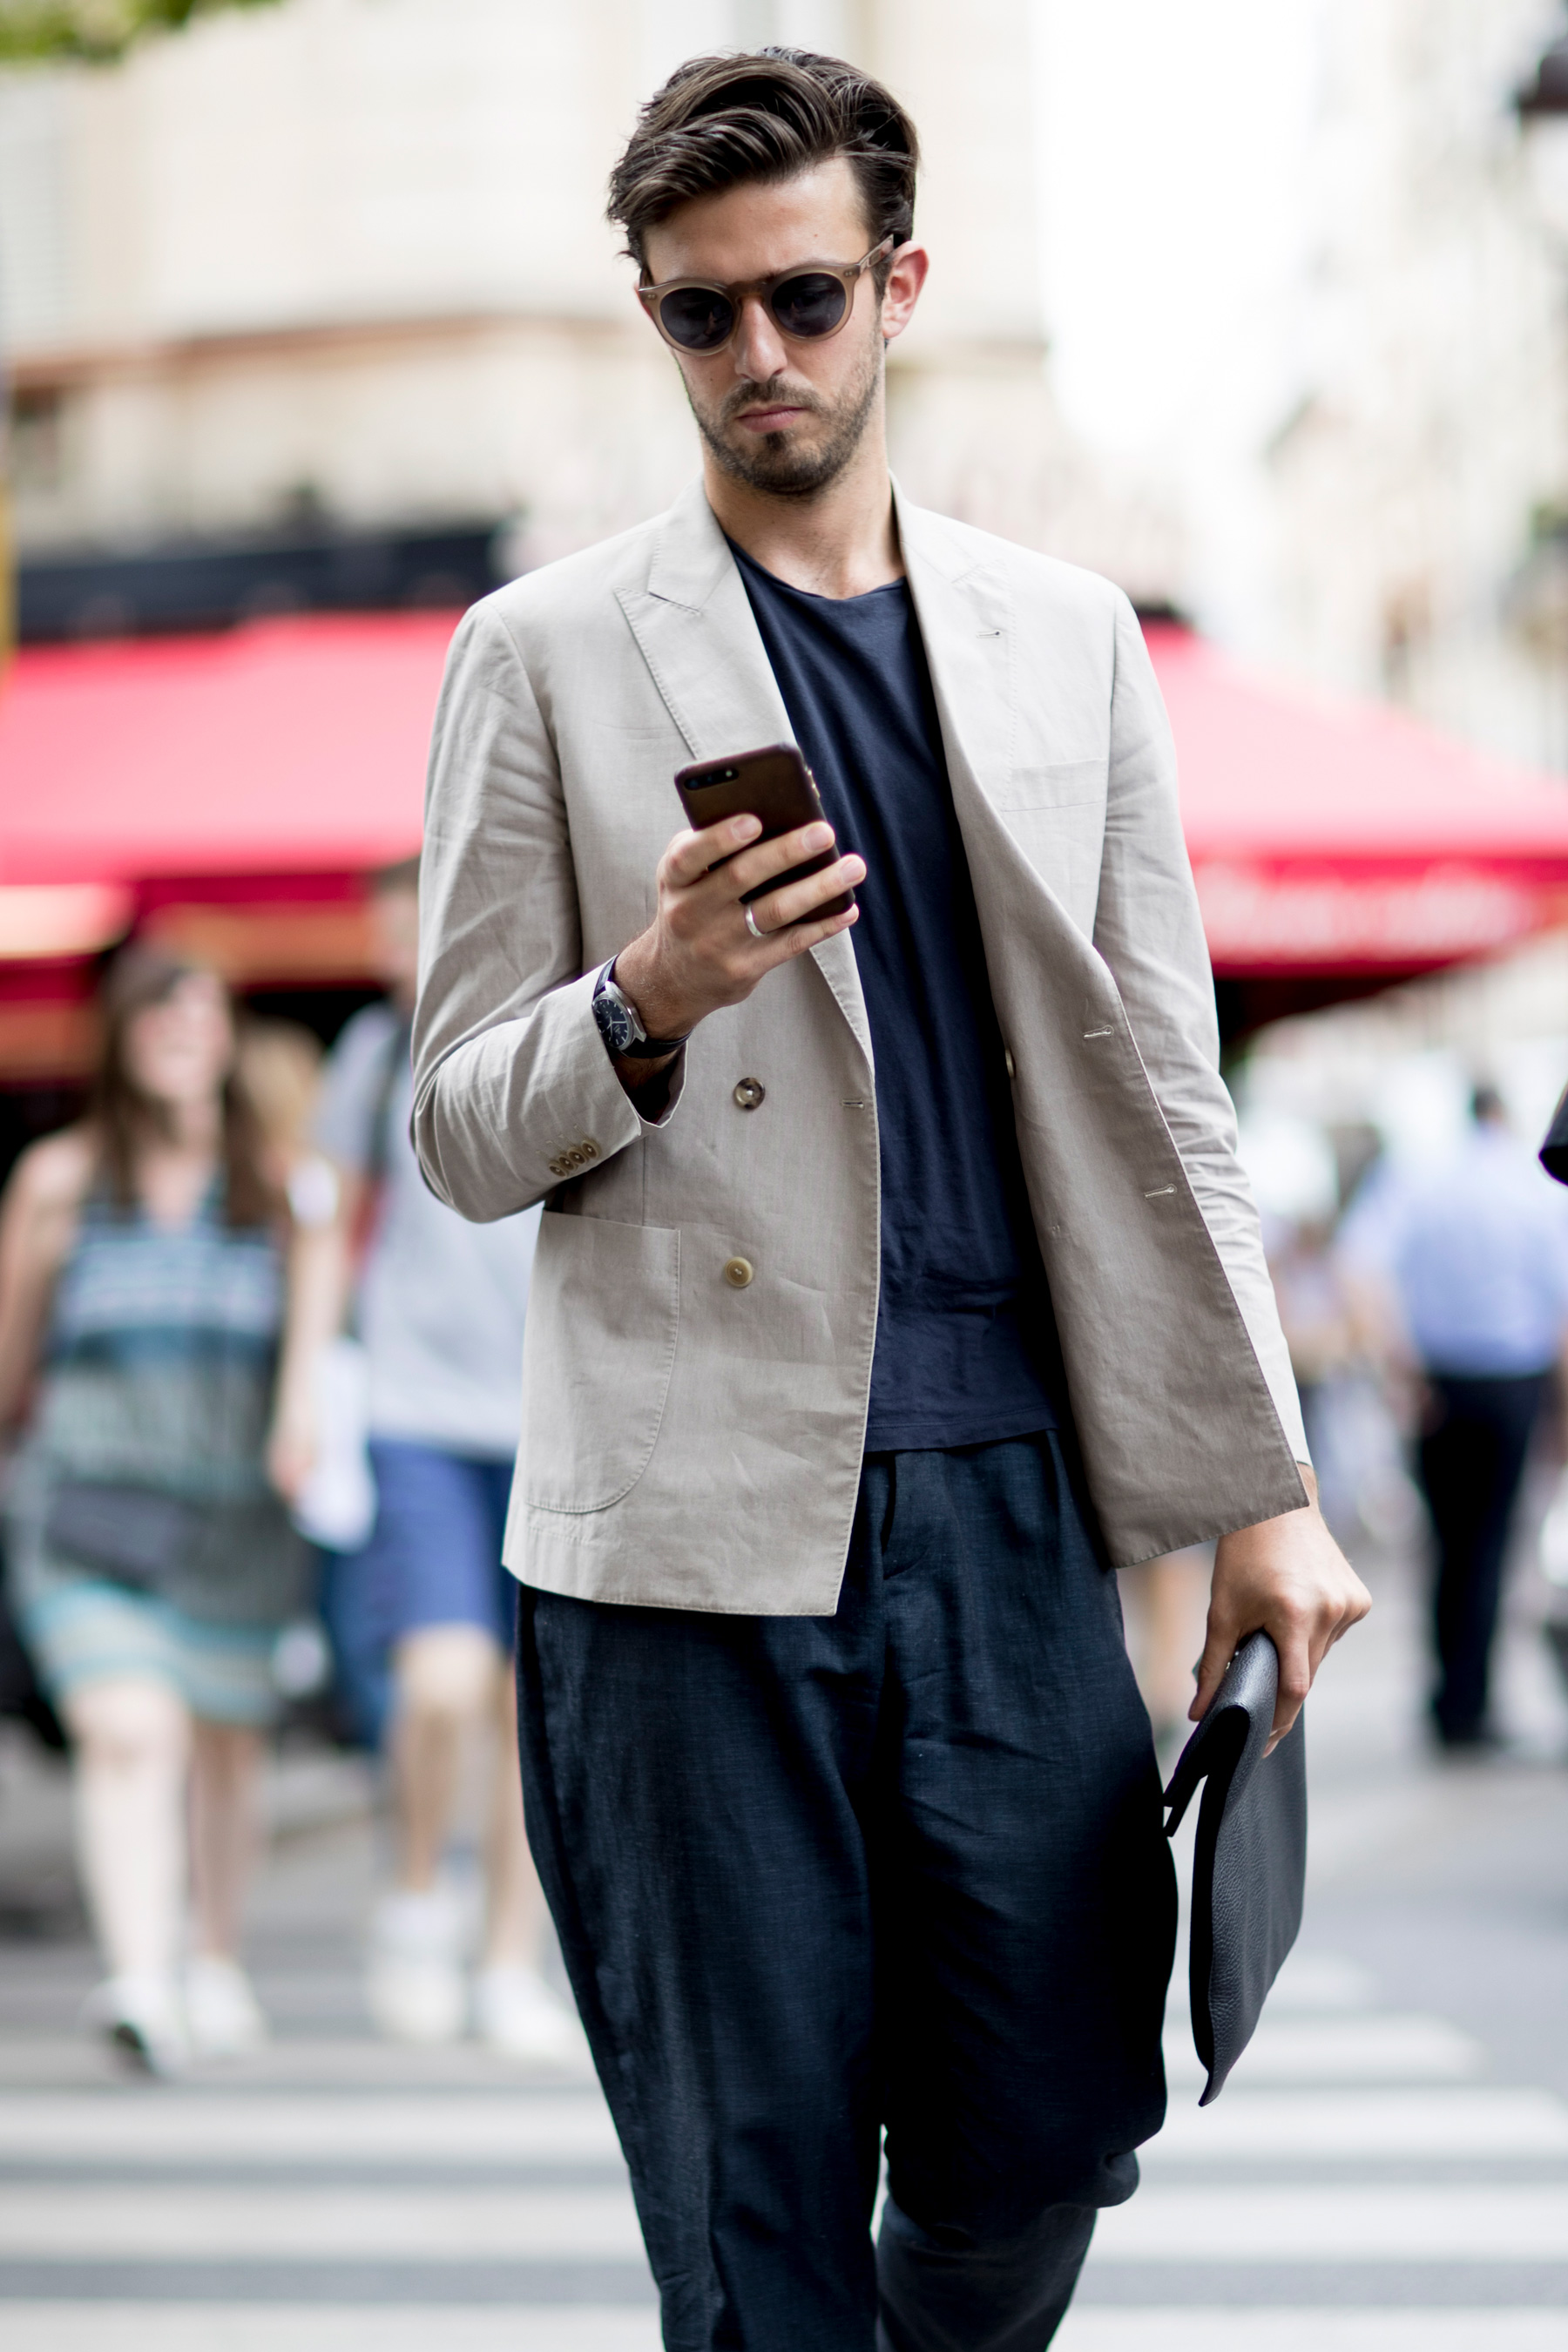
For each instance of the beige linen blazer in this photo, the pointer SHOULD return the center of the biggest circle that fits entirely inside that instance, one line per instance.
(689, 1443)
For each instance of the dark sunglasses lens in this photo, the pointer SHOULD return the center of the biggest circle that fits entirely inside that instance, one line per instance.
(811, 304)
(698, 318)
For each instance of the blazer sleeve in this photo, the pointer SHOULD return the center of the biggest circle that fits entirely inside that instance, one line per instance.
(513, 1091)
(1150, 932)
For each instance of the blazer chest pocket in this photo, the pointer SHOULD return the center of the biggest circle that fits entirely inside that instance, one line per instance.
(1056, 816)
(1059, 784)
(603, 1308)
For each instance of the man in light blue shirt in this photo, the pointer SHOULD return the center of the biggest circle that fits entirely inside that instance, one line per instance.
(1475, 1252)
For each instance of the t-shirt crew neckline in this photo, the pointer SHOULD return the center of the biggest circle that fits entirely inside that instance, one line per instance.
(813, 595)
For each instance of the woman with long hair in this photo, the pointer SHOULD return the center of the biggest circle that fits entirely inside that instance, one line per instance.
(141, 1300)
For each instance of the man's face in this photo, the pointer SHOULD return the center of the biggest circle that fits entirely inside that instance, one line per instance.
(781, 414)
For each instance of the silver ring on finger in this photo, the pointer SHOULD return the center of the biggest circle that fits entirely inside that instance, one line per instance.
(752, 926)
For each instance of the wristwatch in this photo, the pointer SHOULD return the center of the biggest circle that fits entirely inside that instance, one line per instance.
(620, 1025)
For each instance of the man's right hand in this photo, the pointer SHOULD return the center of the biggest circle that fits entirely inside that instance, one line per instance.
(697, 955)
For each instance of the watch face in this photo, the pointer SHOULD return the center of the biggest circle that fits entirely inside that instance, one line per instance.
(616, 1023)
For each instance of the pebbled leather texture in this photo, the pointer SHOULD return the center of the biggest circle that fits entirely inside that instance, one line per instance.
(1249, 1867)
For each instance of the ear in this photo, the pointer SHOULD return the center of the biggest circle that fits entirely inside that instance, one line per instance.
(906, 277)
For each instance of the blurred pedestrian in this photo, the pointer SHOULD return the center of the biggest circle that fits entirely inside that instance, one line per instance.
(423, 1615)
(1469, 1260)
(1355, 1450)
(279, 1067)
(142, 1298)
(1166, 1601)
(1317, 1314)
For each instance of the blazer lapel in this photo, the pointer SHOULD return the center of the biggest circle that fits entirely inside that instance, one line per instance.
(698, 639)
(966, 623)
(971, 636)
(695, 628)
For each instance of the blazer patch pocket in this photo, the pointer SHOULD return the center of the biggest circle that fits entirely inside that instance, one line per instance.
(1065, 784)
(603, 1308)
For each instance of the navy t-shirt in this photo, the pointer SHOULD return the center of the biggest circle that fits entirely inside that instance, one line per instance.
(966, 1343)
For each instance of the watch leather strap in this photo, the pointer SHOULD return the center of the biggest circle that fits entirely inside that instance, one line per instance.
(644, 1048)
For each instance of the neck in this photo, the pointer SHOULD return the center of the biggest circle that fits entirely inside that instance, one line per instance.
(194, 1129)
(841, 541)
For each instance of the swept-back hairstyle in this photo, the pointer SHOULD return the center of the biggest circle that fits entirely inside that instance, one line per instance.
(720, 122)
(125, 1119)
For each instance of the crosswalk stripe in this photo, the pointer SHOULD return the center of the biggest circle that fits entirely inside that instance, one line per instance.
(327, 2327)
(516, 2327)
(1445, 2221)
(276, 2128)
(361, 2166)
(1370, 2049)
(157, 2222)
(149, 2128)
(66, 2063)
(1364, 2127)
(1308, 1983)
(1191, 2328)
(152, 2222)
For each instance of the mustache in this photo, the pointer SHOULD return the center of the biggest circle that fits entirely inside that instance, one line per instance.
(777, 392)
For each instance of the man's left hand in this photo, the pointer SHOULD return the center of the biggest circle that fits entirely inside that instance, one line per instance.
(1288, 1579)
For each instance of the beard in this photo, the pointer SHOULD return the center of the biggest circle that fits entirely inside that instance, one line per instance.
(788, 465)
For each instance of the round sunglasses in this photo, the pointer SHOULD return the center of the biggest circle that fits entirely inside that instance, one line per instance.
(808, 304)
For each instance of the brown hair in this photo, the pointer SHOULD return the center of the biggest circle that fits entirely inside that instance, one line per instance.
(279, 1065)
(124, 1118)
(720, 122)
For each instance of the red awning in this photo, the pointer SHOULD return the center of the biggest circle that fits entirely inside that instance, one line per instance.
(1341, 838)
(1327, 837)
(286, 746)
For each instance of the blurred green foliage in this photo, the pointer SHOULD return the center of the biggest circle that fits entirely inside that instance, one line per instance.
(101, 30)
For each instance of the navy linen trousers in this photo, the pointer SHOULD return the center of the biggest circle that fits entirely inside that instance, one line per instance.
(898, 1870)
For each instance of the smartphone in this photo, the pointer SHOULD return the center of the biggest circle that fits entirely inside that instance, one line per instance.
(774, 784)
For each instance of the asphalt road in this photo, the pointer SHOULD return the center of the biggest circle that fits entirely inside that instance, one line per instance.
(1388, 2168)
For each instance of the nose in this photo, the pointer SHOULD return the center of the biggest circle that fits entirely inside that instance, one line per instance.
(758, 350)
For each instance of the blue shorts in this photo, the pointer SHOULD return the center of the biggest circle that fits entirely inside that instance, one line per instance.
(433, 1558)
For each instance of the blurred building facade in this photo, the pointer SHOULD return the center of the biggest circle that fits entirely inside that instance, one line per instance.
(339, 265)
(1417, 488)
(344, 262)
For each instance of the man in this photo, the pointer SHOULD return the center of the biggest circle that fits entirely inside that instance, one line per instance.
(837, 1778)
(1473, 1256)
(422, 1617)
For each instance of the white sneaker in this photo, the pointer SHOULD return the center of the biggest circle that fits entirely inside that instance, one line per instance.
(142, 2018)
(517, 2013)
(414, 1985)
(224, 2018)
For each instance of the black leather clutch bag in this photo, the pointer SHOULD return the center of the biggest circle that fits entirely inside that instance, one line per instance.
(1250, 1870)
(1554, 1151)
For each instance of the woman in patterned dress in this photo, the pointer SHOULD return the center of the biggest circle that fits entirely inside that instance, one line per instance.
(141, 1300)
